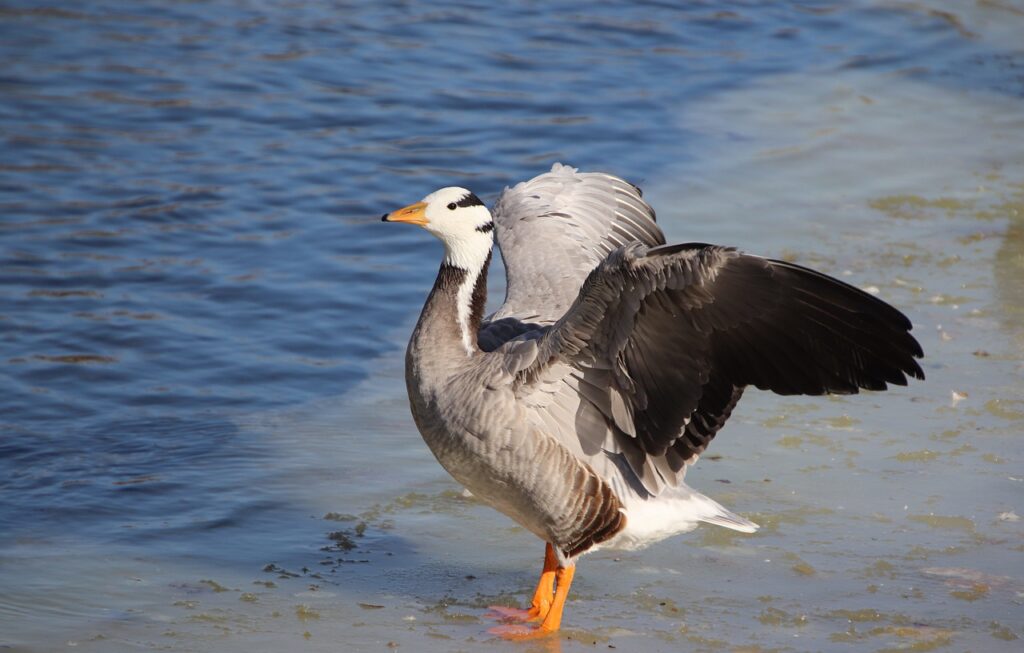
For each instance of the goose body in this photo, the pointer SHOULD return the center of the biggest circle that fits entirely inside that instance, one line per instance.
(576, 408)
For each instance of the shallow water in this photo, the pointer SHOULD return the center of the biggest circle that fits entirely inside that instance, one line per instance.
(204, 438)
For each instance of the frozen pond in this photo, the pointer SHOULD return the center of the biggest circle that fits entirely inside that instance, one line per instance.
(205, 443)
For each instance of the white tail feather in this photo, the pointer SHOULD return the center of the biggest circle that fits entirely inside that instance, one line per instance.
(676, 511)
(731, 520)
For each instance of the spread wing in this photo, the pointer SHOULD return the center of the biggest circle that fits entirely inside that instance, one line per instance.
(680, 330)
(554, 229)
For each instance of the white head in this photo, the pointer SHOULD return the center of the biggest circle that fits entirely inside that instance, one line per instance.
(459, 219)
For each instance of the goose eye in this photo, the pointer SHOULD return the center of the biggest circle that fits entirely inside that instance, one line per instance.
(451, 207)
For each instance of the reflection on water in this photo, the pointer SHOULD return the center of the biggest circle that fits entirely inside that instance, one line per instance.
(204, 441)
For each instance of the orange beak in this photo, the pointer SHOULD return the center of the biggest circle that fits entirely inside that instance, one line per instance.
(413, 214)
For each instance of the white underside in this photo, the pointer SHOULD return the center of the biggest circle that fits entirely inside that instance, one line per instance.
(677, 511)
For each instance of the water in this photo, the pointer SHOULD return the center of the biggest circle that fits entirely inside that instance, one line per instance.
(202, 320)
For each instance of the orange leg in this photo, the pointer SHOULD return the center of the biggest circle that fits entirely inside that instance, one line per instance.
(542, 596)
(545, 586)
(552, 620)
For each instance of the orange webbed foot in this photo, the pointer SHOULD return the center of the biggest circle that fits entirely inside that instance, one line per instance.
(505, 613)
(548, 611)
(520, 632)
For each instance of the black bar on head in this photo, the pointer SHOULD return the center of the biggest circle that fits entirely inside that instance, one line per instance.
(469, 200)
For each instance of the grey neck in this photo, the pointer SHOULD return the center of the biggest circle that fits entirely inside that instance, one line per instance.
(448, 326)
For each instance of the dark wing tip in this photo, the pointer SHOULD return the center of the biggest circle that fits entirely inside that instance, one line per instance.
(915, 369)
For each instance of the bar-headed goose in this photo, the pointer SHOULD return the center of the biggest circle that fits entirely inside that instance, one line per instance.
(576, 408)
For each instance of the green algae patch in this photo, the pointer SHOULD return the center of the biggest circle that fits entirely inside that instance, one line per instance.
(770, 522)
(776, 617)
(215, 586)
(790, 441)
(962, 449)
(947, 435)
(339, 516)
(914, 207)
(589, 638)
(972, 593)
(1000, 631)
(843, 422)
(944, 299)
(705, 643)
(944, 522)
(901, 633)
(305, 613)
(976, 237)
(436, 635)
(808, 437)
(459, 618)
(787, 411)
(441, 608)
(857, 616)
(880, 569)
(800, 566)
(924, 553)
(448, 502)
(965, 577)
(922, 456)
(921, 638)
(848, 637)
(208, 618)
(342, 540)
(1005, 409)
(665, 606)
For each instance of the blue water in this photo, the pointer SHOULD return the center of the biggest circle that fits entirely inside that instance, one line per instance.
(202, 318)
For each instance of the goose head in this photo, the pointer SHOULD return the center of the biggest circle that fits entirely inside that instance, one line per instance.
(458, 219)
